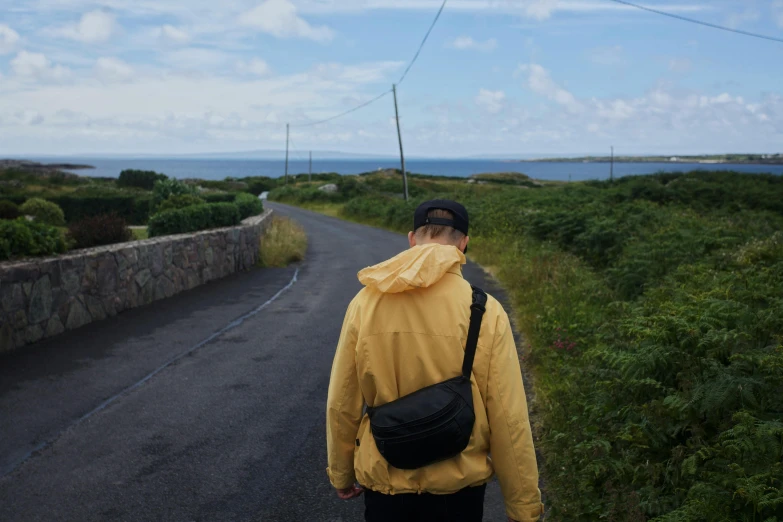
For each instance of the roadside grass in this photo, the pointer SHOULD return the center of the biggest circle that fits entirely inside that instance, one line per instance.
(284, 242)
(140, 233)
(652, 310)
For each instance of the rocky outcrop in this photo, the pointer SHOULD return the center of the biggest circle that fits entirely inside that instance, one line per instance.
(44, 297)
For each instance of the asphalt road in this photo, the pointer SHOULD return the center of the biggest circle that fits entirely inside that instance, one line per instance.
(208, 406)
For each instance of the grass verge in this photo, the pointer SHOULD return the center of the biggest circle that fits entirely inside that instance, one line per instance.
(284, 242)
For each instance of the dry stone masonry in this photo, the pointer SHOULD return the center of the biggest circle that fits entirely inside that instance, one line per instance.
(42, 298)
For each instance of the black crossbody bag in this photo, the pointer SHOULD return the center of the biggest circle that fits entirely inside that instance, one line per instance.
(434, 423)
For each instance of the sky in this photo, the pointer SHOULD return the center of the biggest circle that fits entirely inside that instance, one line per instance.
(496, 77)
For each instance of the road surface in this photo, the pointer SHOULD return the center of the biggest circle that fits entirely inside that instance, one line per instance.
(208, 406)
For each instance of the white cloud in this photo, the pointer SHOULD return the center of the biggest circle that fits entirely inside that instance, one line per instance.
(113, 70)
(536, 9)
(777, 12)
(196, 59)
(680, 65)
(8, 39)
(34, 66)
(735, 20)
(279, 18)
(492, 101)
(254, 67)
(609, 56)
(361, 73)
(466, 42)
(93, 27)
(540, 82)
(171, 35)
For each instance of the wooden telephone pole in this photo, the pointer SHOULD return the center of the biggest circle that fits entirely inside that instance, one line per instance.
(286, 154)
(399, 137)
(310, 170)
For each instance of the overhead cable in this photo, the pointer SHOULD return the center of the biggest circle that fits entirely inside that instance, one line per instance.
(421, 46)
(694, 21)
(365, 104)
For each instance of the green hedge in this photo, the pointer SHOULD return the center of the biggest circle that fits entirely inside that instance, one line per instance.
(133, 209)
(225, 197)
(191, 219)
(139, 178)
(249, 205)
(43, 211)
(23, 238)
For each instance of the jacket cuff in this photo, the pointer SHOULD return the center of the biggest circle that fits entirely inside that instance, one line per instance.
(341, 480)
(525, 512)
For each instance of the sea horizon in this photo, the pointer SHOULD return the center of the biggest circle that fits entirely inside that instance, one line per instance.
(221, 168)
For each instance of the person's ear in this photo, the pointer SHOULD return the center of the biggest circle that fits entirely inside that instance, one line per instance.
(411, 239)
(463, 244)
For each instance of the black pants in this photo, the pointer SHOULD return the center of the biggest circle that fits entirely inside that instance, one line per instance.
(466, 505)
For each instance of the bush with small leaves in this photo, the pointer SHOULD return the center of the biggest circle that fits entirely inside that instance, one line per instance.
(43, 211)
(249, 205)
(99, 230)
(8, 210)
(194, 218)
(180, 201)
(23, 238)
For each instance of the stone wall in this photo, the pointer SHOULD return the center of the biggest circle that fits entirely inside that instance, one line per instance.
(44, 297)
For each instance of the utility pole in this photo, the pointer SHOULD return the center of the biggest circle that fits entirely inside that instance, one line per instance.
(286, 154)
(310, 170)
(399, 137)
(611, 168)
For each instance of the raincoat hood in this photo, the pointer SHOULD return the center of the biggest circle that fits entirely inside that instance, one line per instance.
(418, 267)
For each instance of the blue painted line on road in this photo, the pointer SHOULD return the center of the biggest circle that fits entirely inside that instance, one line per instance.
(138, 384)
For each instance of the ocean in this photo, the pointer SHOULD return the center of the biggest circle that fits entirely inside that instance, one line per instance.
(239, 168)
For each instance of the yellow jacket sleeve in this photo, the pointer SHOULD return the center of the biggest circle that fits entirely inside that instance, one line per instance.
(343, 406)
(511, 441)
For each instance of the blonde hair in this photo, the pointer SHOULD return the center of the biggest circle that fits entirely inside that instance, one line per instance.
(435, 231)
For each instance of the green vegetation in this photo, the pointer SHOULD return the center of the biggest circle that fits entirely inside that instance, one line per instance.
(765, 159)
(8, 210)
(653, 310)
(22, 238)
(181, 201)
(99, 230)
(43, 211)
(283, 242)
(144, 179)
(194, 218)
(249, 205)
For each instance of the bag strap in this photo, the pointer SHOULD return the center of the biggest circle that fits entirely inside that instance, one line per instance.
(477, 309)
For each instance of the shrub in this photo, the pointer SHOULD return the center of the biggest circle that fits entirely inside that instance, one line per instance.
(224, 214)
(258, 185)
(43, 211)
(139, 178)
(8, 210)
(99, 230)
(185, 200)
(163, 189)
(220, 197)
(191, 219)
(22, 238)
(249, 205)
(134, 209)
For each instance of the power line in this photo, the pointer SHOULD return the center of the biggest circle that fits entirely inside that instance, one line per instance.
(365, 104)
(349, 111)
(422, 42)
(694, 21)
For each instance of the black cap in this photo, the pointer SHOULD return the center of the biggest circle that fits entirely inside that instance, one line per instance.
(460, 221)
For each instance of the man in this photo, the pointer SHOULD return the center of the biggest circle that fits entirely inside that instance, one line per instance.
(407, 330)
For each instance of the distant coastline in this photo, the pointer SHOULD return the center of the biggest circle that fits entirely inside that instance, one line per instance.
(716, 159)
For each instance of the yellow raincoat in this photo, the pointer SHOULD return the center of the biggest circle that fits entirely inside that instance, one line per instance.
(406, 330)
